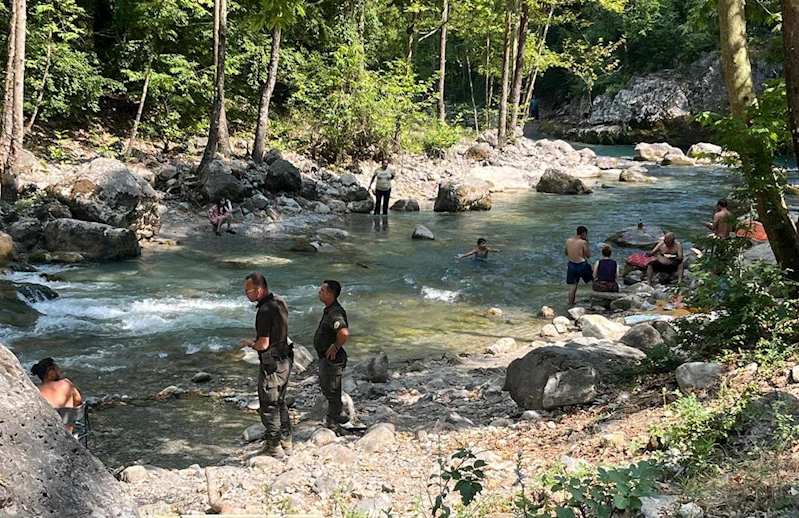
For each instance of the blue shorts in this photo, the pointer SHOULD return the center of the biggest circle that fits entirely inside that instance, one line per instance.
(577, 271)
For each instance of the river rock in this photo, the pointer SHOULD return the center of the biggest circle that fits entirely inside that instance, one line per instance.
(502, 346)
(558, 182)
(133, 474)
(645, 238)
(576, 313)
(379, 437)
(266, 463)
(502, 178)
(323, 437)
(597, 326)
(462, 195)
(642, 336)
(547, 312)
(634, 175)
(46, 472)
(549, 331)
(35, 292)
(705, 150)
(292, 478)
(302, 358)
(361, 207)
(422, 232)
(334, 233)
(282, 176)
(105, 191)
(550, 377)
(14, 311)
(489, 137)
(220, 183)
(8, 249)
(479, 151)
(760, 252)
(697, 375)
(373, 369)
(405, 205)
(201, 377)
(95, 241)
(678, 159)
(254, 433)
(272, 155)
(28, 234)
(626, 303)
(654, 152)
(319, 409)
(666, 330)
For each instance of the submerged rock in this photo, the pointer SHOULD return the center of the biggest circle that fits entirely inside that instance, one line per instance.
(422, 232)
(645, 238)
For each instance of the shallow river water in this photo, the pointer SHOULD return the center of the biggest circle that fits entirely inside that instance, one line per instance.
(137, 326)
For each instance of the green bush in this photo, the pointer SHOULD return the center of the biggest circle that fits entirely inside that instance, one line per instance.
(439, 137)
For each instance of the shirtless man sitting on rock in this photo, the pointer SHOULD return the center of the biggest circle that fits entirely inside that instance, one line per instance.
(577, 251)
(723, 219)
(58, 391)
(668, 258)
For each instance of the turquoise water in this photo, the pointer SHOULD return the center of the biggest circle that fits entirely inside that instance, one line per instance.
(137, 326)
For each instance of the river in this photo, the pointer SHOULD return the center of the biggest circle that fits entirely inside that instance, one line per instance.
(135, 327)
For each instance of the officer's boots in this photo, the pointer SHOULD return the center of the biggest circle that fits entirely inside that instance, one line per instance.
(273, 448)
(331, 423)
(286, 442)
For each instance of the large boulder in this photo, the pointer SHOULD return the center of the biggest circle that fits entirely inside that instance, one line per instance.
(504, 178)
(597, 326)
(45, 471)
(678, 159)
(105, 191)
(282, 176)
(705, 150)
(93, 240)
(28, 233)
(373, 369)
(14, 311)
(221, 183)
(551, 377)
(645, 238)
(635, 174)
(698, 375)
(8, 249)
(655, 152)
(463, 195)
(558, 182)
(760, 252)
(642, 336)
(361, 207)
(406, 205)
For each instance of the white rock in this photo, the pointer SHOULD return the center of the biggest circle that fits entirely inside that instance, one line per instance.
(697, 375)
(133, 474)
(597, 326)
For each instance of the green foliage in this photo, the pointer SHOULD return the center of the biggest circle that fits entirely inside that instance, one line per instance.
(755, 307)
(439, 137)
(695, 432)
(466, 471)
(598, 492)
(660, 360)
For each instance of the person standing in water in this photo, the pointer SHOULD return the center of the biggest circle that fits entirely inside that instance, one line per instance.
(481, 252)
(577, 251)
(58, 391)
(722, 224)
(384, 175)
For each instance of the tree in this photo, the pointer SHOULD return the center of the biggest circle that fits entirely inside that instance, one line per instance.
(224, 133)
(518, 71)
(589, 61)
(442, 61)
(12, 127)
(790, 38)
(219, 95)
(506, 57)
(276, 15)
(763, 182)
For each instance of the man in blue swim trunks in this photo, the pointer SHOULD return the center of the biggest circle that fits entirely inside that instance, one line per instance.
(577, 251)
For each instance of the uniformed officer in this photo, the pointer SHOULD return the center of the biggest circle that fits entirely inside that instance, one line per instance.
(276, 359)
(329, 341)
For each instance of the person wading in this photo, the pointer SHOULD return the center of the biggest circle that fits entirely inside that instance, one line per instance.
(329, 342)
(58, 391)
(276, 359)
(577, 251)
(384, 175)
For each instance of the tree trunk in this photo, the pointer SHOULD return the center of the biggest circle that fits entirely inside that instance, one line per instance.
(219, 96)
(471, 90)
(502, 123)
(790, 40)
(12, 131)
(518, 72)
(45, 75)
(442, 62)
(531, 85)
(224, 134)
(488, 102)
(266, 97)
(756, 161)
(411, 37)
(139, 111)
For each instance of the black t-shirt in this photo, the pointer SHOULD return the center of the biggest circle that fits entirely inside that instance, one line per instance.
(333, 320)
(272, 320)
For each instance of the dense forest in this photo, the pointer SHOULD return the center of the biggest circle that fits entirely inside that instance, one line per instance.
(337, 78)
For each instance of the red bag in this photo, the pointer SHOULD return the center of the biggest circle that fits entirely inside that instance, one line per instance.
(639, 260)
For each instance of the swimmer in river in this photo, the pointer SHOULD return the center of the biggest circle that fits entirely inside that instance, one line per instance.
(481, 252)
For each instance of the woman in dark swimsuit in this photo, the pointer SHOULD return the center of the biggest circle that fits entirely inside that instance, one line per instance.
(606, 271)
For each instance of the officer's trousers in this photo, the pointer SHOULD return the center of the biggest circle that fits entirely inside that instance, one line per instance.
(330, 382)
(272, 397)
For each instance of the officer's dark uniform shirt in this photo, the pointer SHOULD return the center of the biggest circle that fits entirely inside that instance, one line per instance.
(333, 320)
(272, 320)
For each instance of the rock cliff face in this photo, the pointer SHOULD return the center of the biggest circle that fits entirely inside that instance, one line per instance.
(45, 471)
(655, 107)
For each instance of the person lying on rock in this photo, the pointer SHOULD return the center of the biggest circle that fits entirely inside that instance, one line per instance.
(58, 391)
(668, 258)
(221, 212)
(578, 251)
(606, 273)
(481, 252)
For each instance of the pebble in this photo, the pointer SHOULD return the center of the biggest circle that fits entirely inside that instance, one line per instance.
(201, 377)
